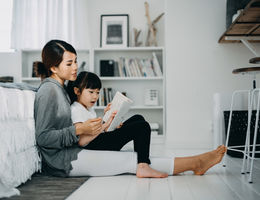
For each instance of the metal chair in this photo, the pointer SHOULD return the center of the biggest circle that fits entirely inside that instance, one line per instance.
(250, 93)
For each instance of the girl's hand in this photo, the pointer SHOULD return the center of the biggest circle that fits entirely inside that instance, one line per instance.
(120, 125)
(107, 108)
(109, 121)
(89, 127)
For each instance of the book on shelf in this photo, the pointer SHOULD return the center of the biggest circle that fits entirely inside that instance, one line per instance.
(156, 65)
(105, 96)
(132, 67)
(121, 104)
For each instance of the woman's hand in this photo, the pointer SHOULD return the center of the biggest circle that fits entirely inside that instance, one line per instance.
(109, 121)
(89, 127)
(107, 108)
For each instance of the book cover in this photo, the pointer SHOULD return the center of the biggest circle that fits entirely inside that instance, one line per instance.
(121, 104)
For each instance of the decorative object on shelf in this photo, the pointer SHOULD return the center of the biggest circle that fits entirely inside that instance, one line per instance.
(151, 97)
(7, 79)
(107, 67)
(114, 31)
(232, 7)
(34, 69)
(237, 14)
(152, 30)
(154, 129)
(136, 35)
(81, 68)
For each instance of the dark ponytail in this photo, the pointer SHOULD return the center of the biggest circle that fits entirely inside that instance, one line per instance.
(52, 55)
(84, 80)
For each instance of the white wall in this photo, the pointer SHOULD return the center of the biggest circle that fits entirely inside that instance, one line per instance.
(136, 11)
(196, 64)
(197, 67)
(11, 65)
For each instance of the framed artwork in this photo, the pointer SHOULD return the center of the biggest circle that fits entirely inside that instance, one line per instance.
(114, 31)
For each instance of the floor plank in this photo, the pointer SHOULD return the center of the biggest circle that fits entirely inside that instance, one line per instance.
(217, 183)
(42, 187)
(110, 188)
(179, 188)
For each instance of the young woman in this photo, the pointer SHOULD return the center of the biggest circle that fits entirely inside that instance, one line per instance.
(57, 137)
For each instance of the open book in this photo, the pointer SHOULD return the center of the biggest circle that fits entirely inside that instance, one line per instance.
(121, 104)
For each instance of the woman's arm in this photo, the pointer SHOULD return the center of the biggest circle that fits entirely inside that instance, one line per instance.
(53, 125)
(89, 127)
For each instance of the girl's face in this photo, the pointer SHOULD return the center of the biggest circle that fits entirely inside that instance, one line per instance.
(67, 69)
(88, 97)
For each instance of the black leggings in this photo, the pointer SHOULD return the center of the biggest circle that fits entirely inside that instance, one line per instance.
(136, 129)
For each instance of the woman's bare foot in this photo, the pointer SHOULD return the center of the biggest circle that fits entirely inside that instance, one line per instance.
(209, 159)
(145, 171)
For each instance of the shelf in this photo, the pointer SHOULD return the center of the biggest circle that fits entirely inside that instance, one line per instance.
(30, 79)
(130, 49)
(130, 78)
(246, 25)
(134, 107)
(40, 50)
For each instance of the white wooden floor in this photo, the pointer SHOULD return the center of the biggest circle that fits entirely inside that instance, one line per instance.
(218, 183)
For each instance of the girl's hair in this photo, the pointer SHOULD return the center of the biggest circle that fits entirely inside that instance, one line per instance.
(52, 55)
(84, 80)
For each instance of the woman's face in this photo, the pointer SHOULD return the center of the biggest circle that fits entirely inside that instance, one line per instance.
(67, 69)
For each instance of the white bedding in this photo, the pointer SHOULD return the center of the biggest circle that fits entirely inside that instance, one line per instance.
(19, 158)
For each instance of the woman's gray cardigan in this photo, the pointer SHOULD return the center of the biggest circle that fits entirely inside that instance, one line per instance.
(55, 134)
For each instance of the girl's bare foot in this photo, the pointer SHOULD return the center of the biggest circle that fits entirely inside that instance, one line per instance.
(145, 171)
(209, 159)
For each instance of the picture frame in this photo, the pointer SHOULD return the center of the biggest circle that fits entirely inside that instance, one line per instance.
(114, 31)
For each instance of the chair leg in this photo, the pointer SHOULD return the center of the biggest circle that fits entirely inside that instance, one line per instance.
(229, 125)
(247, 142)
(254, 142)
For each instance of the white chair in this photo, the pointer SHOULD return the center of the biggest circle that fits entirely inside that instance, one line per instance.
(248, 153)
(246, 147)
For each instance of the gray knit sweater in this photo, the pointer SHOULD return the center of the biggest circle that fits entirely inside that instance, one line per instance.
(55, 133)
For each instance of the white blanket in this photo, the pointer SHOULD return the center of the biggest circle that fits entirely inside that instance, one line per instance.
(18, 154)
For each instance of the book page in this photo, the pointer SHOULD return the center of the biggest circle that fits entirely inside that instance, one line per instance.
(121, 104)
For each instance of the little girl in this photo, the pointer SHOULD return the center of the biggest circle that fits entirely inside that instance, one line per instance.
(85, 95)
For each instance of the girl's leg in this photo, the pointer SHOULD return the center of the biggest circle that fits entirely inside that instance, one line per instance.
(201, 163)
(134, 118)
(136, 129)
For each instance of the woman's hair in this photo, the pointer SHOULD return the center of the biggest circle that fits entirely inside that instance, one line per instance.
(52, 55)
(84, 80)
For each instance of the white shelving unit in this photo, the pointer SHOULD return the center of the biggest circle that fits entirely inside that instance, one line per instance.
(134, 86)
(28, 56)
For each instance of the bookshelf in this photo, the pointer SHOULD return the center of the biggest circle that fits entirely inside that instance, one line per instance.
(28, 56)
(134, 86)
